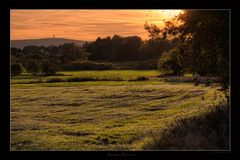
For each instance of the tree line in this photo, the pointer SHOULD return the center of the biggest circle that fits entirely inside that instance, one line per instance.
(99, 54)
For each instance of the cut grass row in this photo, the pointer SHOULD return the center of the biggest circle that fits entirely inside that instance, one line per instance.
(100, 117)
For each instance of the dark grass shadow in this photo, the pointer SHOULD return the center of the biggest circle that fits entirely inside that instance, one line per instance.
(209, 131)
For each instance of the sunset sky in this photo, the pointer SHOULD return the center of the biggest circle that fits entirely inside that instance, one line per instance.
(84, 24)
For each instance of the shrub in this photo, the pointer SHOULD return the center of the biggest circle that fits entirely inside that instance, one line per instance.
(146, 65)
(16, 69)
(137, 65)
(33, 67)
(169, 63)
(90, 65)
(207, 82)
(81, 79)
(84, 79)
(140, 78)
(55, 80)
(48, 69)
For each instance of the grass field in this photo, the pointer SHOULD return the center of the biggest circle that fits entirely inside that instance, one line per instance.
(109, 75)
(116, 111)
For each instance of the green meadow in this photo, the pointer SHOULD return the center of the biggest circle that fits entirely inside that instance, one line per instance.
(100, 110)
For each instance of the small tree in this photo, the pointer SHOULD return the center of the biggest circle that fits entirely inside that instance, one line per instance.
(169, 62)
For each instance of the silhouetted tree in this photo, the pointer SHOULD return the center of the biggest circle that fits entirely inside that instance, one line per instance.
(206, 35)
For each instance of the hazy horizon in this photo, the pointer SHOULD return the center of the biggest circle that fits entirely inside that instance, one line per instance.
(46, 38)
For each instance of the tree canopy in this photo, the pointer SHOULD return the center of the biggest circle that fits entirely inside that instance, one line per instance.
(202, 37)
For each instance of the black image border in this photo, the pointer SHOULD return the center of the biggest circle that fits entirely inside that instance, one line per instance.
(5, 8)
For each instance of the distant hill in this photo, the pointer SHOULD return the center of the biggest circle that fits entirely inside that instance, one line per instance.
(44, 42)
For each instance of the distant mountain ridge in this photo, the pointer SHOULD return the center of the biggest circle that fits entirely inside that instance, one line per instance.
(44, 42)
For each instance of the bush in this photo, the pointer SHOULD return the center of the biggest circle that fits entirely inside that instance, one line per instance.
(207, 82)
(140, 78)
(169, 63)
(48, 69)
(146, 66)
(84, 79)
(33, 67)
(55, 80)
(138, 65)
(81, 79)
(16, 69)
(90, 65)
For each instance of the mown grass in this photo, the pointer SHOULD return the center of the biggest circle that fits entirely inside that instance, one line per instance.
(101, 115)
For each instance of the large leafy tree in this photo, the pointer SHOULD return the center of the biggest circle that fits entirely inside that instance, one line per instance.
(206, 35)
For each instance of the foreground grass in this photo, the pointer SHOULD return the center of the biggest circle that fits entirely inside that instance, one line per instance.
(101, 115)
(209, 131)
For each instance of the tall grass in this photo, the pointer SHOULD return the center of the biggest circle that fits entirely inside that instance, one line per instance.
(209, 131)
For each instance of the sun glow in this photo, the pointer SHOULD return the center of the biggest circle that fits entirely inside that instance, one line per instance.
(85, 24)
(170, 13)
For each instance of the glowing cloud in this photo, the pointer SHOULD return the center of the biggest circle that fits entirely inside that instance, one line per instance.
(84, 24)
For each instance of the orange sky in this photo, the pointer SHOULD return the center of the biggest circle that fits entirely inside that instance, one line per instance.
(84, 24)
